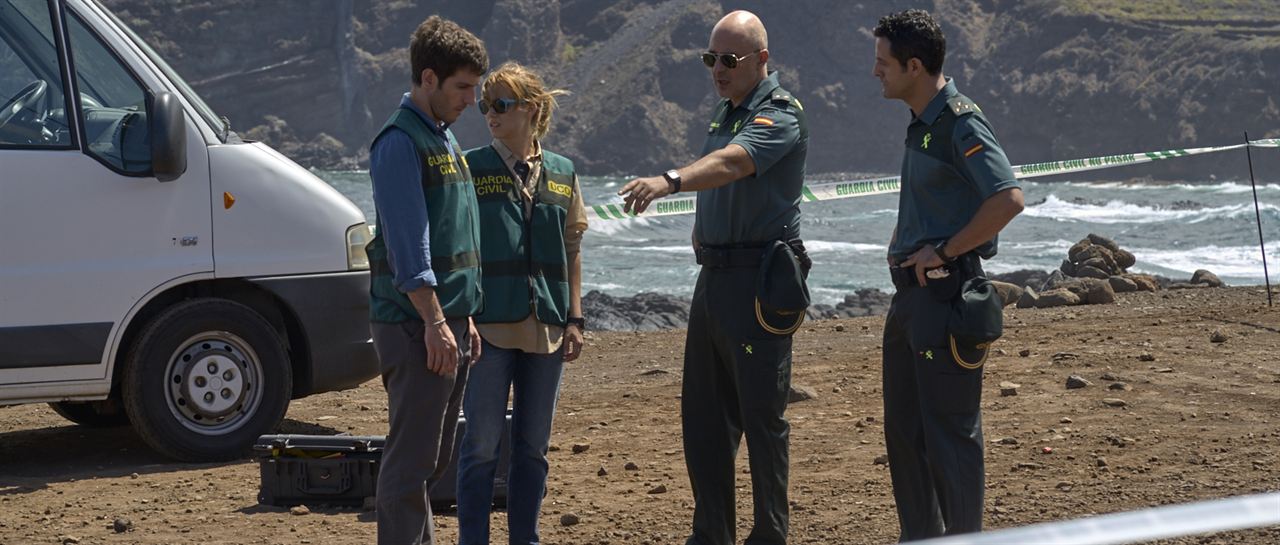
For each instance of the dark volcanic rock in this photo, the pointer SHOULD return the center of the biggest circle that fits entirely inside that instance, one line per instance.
(1009, 293)
(1057, 298)
(655, 311)
(1086, 271)
(1120, 284)
(1145, 282)
(1029, 299)
(1104, 242)
(1074, 254)
(641, 312)
(1055, 280)
(864, 302)
(1022, 277)
(1100, 292)
(1125, 259)
(1207, 278)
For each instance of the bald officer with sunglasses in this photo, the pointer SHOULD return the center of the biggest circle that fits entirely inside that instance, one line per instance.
(737, 360)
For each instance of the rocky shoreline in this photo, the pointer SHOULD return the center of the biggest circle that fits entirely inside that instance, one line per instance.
(1093, 272)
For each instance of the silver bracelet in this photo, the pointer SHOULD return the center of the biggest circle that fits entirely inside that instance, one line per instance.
(441, 321)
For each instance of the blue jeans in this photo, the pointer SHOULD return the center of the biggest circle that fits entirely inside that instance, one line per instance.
(536, 379)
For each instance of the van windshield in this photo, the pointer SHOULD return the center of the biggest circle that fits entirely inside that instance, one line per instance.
(220, 126)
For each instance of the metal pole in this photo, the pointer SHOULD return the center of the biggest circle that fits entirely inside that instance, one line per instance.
(1266, 276)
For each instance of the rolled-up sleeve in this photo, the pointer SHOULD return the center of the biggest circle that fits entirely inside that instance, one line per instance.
(575, 224)
(396, 170)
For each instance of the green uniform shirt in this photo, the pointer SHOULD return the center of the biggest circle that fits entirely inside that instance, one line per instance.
(770, 125)
(952, 164)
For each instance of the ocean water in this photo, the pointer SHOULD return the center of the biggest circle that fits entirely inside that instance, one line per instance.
(1172, 229)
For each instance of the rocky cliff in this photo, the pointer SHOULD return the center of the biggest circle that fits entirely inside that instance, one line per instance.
(1059, 79)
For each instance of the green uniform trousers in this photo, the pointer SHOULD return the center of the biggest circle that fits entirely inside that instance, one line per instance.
(736, 380)
(932, 419)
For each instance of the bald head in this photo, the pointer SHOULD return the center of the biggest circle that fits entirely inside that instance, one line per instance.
(739, 35)
(742, 26)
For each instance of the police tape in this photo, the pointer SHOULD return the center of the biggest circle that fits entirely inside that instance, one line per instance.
(1206, 517)
(879, 186)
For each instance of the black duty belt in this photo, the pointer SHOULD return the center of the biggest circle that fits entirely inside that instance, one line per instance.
(905, 277)
(727, 258)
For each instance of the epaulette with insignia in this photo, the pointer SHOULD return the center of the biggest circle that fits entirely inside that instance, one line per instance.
(781, 97)
(961, 105)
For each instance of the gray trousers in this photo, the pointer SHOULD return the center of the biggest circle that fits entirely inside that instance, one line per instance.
(423, 409)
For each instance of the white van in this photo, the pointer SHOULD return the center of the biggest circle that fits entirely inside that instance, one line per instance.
(156, 269)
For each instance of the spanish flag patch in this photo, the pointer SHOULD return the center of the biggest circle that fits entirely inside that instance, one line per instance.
(975, 149)
(761, 120)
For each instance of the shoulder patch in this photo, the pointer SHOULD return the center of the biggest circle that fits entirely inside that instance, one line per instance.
(961, 105)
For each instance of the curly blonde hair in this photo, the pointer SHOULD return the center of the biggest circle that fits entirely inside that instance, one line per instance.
(526, 85)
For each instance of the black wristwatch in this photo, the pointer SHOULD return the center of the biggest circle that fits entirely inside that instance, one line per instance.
(941, 249)
(672, 177)
(578, 321)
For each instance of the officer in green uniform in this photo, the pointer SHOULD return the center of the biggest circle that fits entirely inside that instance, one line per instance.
(737, 361)
(958, 192)
(425, 274)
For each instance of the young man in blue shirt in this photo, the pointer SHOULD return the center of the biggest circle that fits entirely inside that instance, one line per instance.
(425, 274)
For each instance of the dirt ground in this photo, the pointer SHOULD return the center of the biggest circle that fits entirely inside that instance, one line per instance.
(1200, 420)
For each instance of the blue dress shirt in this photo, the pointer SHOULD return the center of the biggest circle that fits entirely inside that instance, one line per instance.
(396, 170)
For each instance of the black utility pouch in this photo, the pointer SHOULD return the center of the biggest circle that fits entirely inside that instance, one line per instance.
(976, 320)
(782, 294)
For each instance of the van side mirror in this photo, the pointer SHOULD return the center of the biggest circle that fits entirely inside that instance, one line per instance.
(168, 127)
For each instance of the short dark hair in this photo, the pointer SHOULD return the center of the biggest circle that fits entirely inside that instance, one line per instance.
(445, 48)
(914, 33)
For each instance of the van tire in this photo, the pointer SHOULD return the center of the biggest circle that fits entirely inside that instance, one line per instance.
(205, 378)
(105, 413)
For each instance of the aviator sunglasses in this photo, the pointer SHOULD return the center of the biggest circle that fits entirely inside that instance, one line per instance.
(499, 106)
(729, 60)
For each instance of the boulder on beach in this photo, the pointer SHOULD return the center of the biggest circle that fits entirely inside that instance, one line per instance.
(1029, 299)
(1009, 293)
(1120, 284)
(1207, 278)
(1057, 298)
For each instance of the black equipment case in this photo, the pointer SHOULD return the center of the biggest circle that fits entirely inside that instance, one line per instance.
(343, 469)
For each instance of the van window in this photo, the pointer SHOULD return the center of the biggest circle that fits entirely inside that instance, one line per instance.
(113, 105)
(33, 112)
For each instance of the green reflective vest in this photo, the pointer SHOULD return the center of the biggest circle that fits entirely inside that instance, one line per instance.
(454, 236)
(526, 268)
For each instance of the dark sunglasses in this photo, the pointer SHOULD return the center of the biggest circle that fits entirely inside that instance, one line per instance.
(499, 106)
(729, 60)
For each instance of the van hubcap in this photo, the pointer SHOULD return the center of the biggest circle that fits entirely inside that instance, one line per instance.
(213, 382)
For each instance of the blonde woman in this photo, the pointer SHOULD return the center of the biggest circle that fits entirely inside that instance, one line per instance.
(531, 224)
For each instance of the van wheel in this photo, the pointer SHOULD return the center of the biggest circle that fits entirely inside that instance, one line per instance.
(205, 378)
(105, 413)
